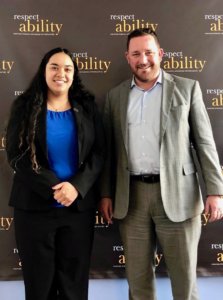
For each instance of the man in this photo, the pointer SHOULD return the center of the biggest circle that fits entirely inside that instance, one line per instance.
(152, 122)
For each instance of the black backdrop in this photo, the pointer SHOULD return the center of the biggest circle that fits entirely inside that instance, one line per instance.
(191, 33)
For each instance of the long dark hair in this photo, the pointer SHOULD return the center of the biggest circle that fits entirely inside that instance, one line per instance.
(33, 100)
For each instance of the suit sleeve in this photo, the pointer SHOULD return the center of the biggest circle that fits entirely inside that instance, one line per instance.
(204, 144)
(41, 182)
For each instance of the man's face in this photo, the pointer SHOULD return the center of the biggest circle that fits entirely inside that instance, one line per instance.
(144, 57)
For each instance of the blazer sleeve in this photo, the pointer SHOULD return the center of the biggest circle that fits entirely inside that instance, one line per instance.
(91, 166)
(204, 144)
(40, 182)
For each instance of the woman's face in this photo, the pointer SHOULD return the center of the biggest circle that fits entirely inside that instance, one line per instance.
(59, 74)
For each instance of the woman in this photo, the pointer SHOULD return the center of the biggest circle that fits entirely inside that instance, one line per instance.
(55, 146)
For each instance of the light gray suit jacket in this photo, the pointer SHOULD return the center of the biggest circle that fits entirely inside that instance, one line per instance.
(184, 125)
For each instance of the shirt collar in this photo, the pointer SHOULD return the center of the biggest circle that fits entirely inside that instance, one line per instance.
(159, 80)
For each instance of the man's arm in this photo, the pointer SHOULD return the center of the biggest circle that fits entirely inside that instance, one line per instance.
(206, 151)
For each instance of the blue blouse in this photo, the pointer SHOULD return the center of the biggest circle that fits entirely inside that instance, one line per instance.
(62, 143)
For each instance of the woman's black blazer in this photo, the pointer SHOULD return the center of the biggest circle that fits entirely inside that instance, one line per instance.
(33, 191)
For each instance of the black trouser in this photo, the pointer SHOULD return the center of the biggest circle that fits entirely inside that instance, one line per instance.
(55, 249)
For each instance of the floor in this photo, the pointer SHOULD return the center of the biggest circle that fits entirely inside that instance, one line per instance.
(210, 288)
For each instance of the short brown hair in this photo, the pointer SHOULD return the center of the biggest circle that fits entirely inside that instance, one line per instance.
(141, 32)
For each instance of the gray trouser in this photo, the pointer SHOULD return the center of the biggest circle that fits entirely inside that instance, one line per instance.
(146, 223)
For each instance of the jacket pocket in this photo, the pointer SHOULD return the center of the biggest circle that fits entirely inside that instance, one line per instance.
(179, 106)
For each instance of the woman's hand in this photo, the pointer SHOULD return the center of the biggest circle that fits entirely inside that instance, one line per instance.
(65, 193)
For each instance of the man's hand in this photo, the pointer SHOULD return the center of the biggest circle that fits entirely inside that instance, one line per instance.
(214, 207)
(106, 210)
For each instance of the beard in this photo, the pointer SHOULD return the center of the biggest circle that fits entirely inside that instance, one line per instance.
(146, 73)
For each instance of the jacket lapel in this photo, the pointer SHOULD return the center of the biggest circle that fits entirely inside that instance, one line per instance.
(78, 112)
(124, 96)
(41, 130)
(167, 98)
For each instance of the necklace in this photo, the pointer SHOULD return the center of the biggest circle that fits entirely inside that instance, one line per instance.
(59, 108)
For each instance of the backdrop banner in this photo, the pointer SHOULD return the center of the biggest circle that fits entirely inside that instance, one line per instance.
(191, 33)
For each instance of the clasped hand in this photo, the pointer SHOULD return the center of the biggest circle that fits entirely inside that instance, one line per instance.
(65, 193)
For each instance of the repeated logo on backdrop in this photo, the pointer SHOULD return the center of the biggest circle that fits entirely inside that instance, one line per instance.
(217, 250)
(118, 251)
(6, 66)
(214, 23)
(99, 221)
(119, 257)
(124, 23)
(91, 64)
(177, 61)
(35, 25)
(18, 264)
(214, 98)
(5, 223)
